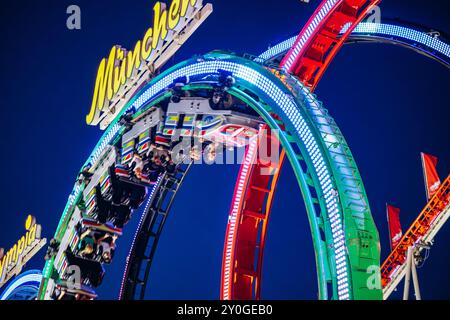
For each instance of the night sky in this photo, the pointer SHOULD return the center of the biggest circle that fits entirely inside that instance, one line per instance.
(389, 102)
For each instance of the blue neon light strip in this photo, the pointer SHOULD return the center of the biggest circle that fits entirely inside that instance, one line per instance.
(30, 279)
(386, 31)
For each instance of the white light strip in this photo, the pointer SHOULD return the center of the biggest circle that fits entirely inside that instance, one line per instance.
(31, 277)
(415, 36)
(310, 30)
(373, 29)
(232, 218)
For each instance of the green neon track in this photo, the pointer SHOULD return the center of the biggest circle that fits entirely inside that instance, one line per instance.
(360, 249)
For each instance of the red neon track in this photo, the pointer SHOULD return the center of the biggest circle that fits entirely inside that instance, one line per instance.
(310, 56)
(241, 276)
(247, 224)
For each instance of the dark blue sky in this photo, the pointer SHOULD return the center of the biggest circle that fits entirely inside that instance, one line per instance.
(389, 102)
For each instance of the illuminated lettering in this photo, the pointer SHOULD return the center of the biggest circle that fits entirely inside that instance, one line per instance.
(121, 66)
(146, 44)
(32, 234)
(185, 5)
(134, 59)
(174, 14)
(11, 256)
(11, 263)
(103, 86)
(2, 266)
(21, 246)
(160, 24)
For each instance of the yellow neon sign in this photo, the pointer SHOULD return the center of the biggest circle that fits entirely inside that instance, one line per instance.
(121, 65)
(11, 263)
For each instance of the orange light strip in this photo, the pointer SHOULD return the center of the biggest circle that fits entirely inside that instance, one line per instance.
(416, 232)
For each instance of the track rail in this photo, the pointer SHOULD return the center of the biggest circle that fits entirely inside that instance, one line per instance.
(426, 41)
(147, 234)
(253, 81)
(422, 230)
(325, 39)
(321, 38)
(247, 224)
(420, 39)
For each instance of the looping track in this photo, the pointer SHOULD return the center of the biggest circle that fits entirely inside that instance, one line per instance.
(344, 235)
(422, 40)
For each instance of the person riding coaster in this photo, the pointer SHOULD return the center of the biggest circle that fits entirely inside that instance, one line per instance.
(52, 249)
(177, 89)
(118, 209)
(221, 99)
(87, 245)
(125, 191)
(96, 241)
(118, 214)
(145, 168)
(91, 272)
(85, 175)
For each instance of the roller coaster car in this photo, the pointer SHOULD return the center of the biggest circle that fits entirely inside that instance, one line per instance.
(52, 249)
(127, 191)
(194, 117)
(145, 169)
(118, 214)
(63, 291)
(139, 137)
(110, 198)
(68, 242)
(136, 145)
(100, 183)
(96, 241)
(93, 225)
(92, 272)
(131, 174)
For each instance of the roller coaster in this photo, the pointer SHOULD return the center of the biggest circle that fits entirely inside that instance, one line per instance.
(204, 105)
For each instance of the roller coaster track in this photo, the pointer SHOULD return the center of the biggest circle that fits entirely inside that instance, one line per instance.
(263, 91)
(423, 40)
(307, 59)
(148, 232)
(321, 38)
(421, 232)
(308, 184)
(344, 235)
(247, 224)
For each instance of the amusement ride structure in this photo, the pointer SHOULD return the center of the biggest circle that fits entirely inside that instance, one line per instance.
(223, 100)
